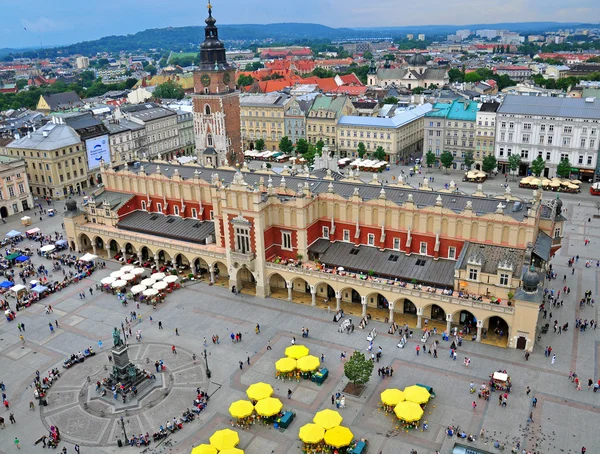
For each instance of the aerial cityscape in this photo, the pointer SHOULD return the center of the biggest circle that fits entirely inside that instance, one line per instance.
(284, 231)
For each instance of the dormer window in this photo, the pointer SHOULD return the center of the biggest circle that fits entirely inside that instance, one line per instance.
(473, 274)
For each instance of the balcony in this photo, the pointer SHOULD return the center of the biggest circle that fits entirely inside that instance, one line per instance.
(240, 259)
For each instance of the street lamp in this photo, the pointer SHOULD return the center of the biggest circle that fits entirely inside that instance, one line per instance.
(123, 427)
(208, 372)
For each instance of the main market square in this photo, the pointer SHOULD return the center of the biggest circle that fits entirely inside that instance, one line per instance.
(208, 307)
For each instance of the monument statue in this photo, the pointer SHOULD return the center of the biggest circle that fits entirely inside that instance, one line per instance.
(117, 338)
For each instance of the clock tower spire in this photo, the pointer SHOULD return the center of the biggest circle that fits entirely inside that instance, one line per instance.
(216, 103)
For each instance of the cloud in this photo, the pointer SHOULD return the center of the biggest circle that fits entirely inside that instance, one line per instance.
(41, 25)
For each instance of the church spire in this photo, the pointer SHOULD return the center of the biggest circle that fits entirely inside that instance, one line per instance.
(212, 50)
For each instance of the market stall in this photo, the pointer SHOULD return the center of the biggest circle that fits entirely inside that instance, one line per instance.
(259, 391)
(88, 257)
(25, 221)
(339, 437)
(296, 351)
(284, 368)
(390, 398)
(242, 411)
(224, 439)
(13, 234)
(328, 419)
(500, 381)
(410, 413)
(268, 407)
(416, 394)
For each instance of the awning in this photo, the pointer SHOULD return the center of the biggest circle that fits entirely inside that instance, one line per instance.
(32, 231)
(12, 256)
(18, 289)
(88, 257)
(61, 243)
(6, 284)
(39, 289)
(22, 258)
(13, 233)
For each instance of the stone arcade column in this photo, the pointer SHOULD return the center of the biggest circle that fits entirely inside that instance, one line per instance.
(313, 295)
(448, 323)
(124, 254)
(338, 301)
(479, 329)
(391, 317)
(419, 317)
(363, 302)
(211, 269)
(290, 288)
(107, 247)
(94, 249)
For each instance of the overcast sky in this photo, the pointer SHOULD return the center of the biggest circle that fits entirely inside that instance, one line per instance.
(60, 22)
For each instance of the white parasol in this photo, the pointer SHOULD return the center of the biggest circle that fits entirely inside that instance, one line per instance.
(119, 283)
(160, 285)
(128, 277)
(170, 279)
(117, 274)
(108, 280)
(127, 268)
(148, 282)
(150, 292)
(138, 289)
(158, 276)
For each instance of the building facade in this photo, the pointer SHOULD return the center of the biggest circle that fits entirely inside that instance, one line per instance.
(15, 194)
(216, 103)
(263, 117)
(407, 255)
(187, 137)
(416, 73)
(400, 136)
(127, 141)
(451, 127)
(553, 128)
(322, 119)
(295, 113)
(55, 159)
(485, 132)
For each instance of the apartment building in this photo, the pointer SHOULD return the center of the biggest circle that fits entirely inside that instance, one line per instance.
(400, 136)
(262, 116)
(295, 116)
(15, 194)
(127, 141)
(485, 132)
(187, 137)
(553, 128)
(323, 117)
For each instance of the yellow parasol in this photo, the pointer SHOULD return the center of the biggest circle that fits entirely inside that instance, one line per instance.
(416, 394)
(535, 182)
(231, 451)
(526, 179)
(576, 181)
(269, 406)
(241, 409)
(285, 364)
(258, 391)
(328, 419)
(546, 182)
(223, 439)
(408, 411)
(296, 351)
(339, 437)
(204, 449)
(311, 433)
(392, 396)
(555, 184)
(308, 363)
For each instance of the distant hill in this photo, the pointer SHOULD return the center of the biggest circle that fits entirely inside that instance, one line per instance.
(188, 38)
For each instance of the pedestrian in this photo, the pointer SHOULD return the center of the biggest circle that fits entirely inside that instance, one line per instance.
(51, 327)
(289, 394)
(553, 359)
(176, 332)
(22, 339)
(100, 345)
(12, 419)
(151, 320)
(17, 443)
(534, 402)
(19, 326)
(6, 404)
(91, 291)
(257, 329)
(23, 326)
(173, 350)
(474, 405)
(528, 391)
(241, 365)
(530, 417)
(322, 357)
(248, 360)
(64, 450)
(76, 448)
(56, 323)
(204, 342)
(160, 325)
(418, 348)
(332, 399)
(2, 386)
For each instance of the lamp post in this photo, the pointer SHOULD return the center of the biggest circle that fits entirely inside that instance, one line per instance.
(123, 427)
(208, 372)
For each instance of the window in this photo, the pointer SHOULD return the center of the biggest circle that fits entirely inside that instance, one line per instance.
(451, 252)
(326, 232)
(397, 244)
(549, 140)
(582, 143)
(286, 241)
(175, 210)
(159, 207)
(542, 127)
(371, 239)
(501, 151)
(11, 191)
(527, 126)
(346, 235)
(547, 156)
(212, 215)
(568, 129)
(525, 154)
(473, 273)
(551, 128)
(423, 248)
(209, 140)
(580, 159)
(589, 160)
(21, 188)
(503, 279)
(242, 240)
(566, 141)
(557, 232)
(144, 205)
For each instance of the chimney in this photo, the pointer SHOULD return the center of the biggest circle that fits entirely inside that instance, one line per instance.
(44, 133)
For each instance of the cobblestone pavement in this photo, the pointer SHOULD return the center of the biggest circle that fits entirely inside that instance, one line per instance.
(564, 420)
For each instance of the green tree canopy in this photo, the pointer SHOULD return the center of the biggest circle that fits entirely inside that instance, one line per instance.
(489, 163)
(286, 145)
(430, 158)
(469, 161)
(537, 166)
(418, 90)
(390, 100)
(380, 153)
(253, 66)
(302, 146)
(361, 150)
(319, 147)
(447, 159)
(358, 369)
(169, 90)
(456, 75)
(514, 162)
(259, 144)
(244, 80)
(563, 169)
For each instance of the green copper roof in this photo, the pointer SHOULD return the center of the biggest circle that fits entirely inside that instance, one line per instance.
(460, 109)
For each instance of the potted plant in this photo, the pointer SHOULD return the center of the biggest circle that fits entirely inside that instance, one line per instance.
(299, 257)
(414, 283)
(510, 295)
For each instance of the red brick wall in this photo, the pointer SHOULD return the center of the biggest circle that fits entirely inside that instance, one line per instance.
(273, 243)
(231, 232)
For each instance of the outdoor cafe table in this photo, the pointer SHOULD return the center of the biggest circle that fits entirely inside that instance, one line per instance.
(285, 420)
(320, 376)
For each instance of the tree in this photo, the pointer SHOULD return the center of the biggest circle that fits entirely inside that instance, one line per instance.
(286, 145)
(390, 100)
(358, 369)
(447, 159)
(367, 55)
(473, 77)
(456, 75)
(254, 66)
(563, 169)
(537, 166)
(244, 80)
(361, 150)
(21, 83)
(259, 144)
(469, 161)
(169, 90)
(489, 163)
(380, 153)
(319, 147)
(419, 90)
(514, 162)
(302, 146)
(430, 158)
